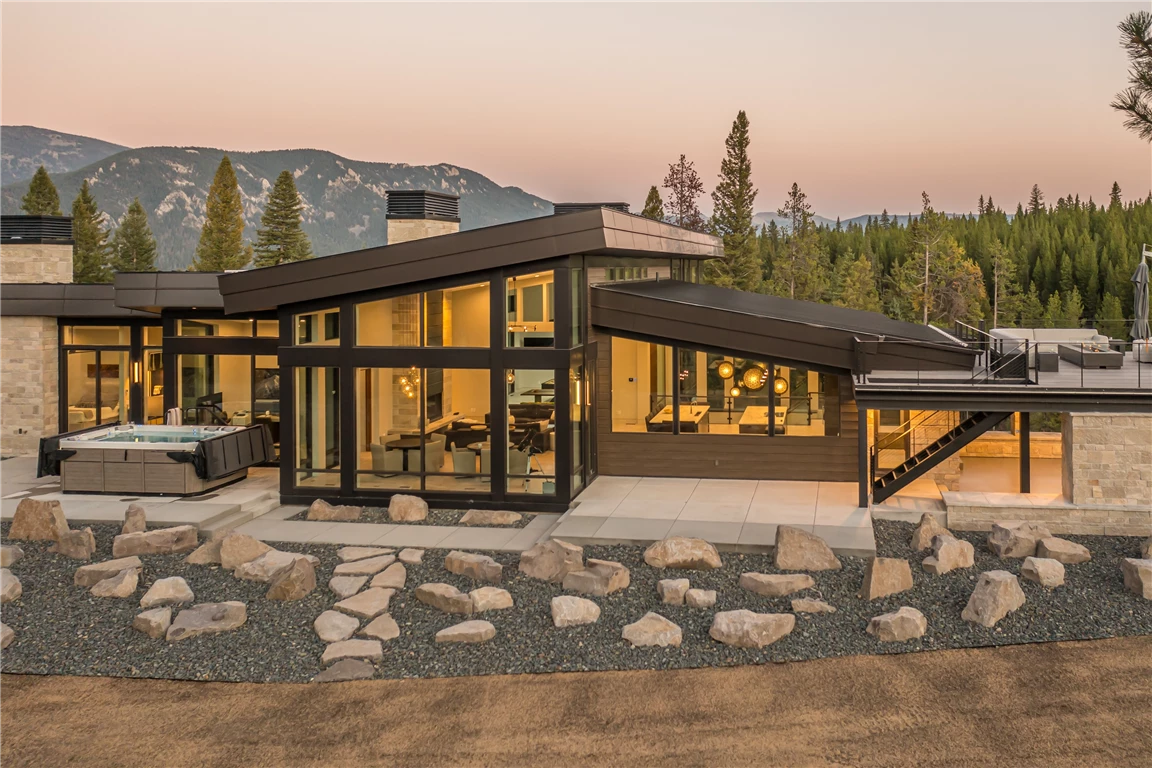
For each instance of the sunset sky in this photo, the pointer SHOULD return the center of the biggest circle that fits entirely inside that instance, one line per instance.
(864, 105)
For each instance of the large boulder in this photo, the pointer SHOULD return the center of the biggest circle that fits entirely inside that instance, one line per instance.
(700, 598)
(9, 554)
(570, 611)
(798, 550)
(775, 584)
(682, 552)
(1044, 571)
(239, 548)
(898, 626)
(170, 591)
(135, 521)
(122, 584)
(392, 577)
(368, 604)
(1138, 576)
(367, 650)
(89, 575)
(490, 517)
(36, 520)
(478, 567)
(672, 591)
(885, 576)
(411, 556)
(474, 631)
(746, 629)
(599, 578)
(383, 627)
(1015, 539)
(325, 512)
(346, 586)
(805, 605)
(997, 594)
(552, 560)
(652, 630)
(295, 582)
(348, 669)
(333, 626)
(159, 541)
(268, 566)
(208, 553)
(78, 545)
(490, 599)
(366, 567)
(1062, 550)
(445, 597)
(207, 619)
(10, 587)
(407, 509)
(350, 554)
(928, 529)
(948, 554)
(153, 622)
(6, 636)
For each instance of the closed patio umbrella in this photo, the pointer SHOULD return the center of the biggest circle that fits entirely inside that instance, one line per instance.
(1140, 304)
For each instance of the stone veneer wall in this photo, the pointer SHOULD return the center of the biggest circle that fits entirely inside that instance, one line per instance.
(35, 263)
(29, 381)
(1107, 459)
(403, 230)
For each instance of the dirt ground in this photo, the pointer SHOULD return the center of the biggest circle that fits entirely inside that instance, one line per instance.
(1075, 704)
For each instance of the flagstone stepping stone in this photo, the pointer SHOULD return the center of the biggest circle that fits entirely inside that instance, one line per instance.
(170, 591)
(1044, 571)
(490, 517)
(1067, 552)
(672, 591)
(369, 650)
(333, 626)
(700, 598)
(268, 566)
(1015, 539)
(478, 567)
(239, 548)
(135, 520)
(9, 554)
(652, 630)
(997, 594)
(885, 576)
(798, 550)
(153, 622)
(6, 636)
(571, 611)
(295, 582)
(1138, 576)
(159, 541)
(383, 627)
(444, 597)
(599, 578)
(928, 529)
(322, 510)
(366, 567)
(207, 619)
(682, 552)
(948, 554)
(490, 599)
(804, 605)
(89, 575)
(411, 556)
(747, 629)
(551, 560)
(392, 577)
(37, 520)
(368, 604)
(208, 553)
(350, 554)
(10, 587)
(474, 631)
(343, 671)
(898, 626)
(78, 545)
(346, 586)
(407, 509)
(122, 584)
(775, 584)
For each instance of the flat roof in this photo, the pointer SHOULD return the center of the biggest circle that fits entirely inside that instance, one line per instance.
(600, 231)
(154, 291)
(64, 300)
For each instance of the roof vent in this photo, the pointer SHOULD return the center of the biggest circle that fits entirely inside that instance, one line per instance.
(559, 209)
(422, 204)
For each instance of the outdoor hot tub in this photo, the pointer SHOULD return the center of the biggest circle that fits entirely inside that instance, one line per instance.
(154, 460)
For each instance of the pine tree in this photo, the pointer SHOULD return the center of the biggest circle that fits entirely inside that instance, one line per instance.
(855, 284)
(1114, 197)
(1036, 200)
(1136, 100)
(221, 245)
(980, 206)
(41, 198)
(280, 238)
(1111, 320)
(91, 252)
(733, 201)
(684, 187)
(1005, 288)
(133, 246)
(884, 220)
(653, 205)
(1073, 309)
(801, 267)
(928, 233)
(1031, 309)
(1054, 311)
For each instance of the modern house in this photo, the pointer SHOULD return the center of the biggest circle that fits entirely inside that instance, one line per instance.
(509, 366)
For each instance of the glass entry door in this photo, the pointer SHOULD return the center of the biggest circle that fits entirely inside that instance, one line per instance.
(97, 382)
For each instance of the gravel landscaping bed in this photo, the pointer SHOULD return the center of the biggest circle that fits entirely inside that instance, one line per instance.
(435, 517)
(62, 629)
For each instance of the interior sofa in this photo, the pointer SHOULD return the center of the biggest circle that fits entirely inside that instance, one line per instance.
(1047, 346)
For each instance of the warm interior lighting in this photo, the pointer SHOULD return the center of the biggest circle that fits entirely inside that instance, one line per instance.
(510, 377)
(136, 372)
(780, 385)
(735, 391)
(725, 369)
(754, 378)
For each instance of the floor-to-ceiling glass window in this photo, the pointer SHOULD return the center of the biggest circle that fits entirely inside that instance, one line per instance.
(317, 449)
(99, 365)
(529, 430)
(531, 310)
(642, 386)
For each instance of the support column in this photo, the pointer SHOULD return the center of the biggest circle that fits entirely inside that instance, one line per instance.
(863, 464)
(1025, 454)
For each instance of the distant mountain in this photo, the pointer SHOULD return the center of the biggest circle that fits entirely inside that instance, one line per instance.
(344, 200)
(901, 219)
(24, 148)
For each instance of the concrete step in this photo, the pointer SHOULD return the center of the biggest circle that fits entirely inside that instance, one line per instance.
(242, 515)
